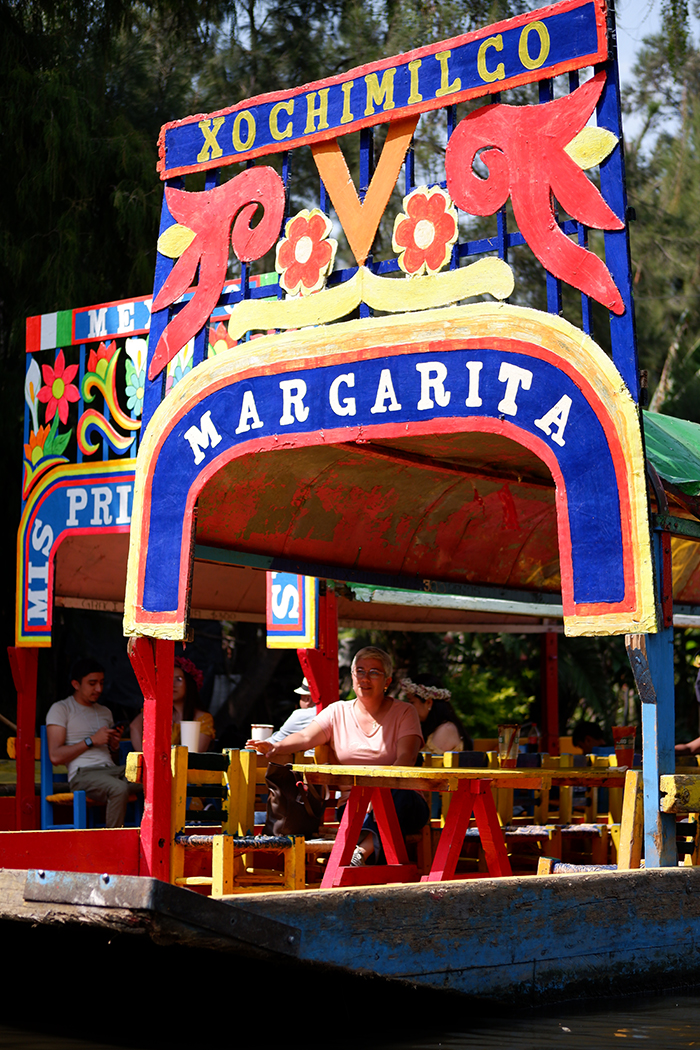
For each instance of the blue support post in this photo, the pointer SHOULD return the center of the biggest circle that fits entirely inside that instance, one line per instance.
(658, 732)
(623, 334)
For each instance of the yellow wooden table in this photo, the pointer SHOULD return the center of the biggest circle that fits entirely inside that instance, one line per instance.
(471, 794)
(373, 785)
(422, 779)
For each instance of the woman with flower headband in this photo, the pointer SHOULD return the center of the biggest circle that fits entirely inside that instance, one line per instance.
(441, 725)
(187, 681)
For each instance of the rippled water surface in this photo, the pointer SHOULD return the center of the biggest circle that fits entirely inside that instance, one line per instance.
(665, 1022)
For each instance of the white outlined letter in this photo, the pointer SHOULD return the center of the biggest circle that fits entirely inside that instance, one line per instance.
(202, 436)
(514, 377)
(293, 391)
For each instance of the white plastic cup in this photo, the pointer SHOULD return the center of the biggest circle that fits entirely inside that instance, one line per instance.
(260, 731)
(189, 735)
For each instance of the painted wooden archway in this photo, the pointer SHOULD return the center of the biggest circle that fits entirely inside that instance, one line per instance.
(483, 369)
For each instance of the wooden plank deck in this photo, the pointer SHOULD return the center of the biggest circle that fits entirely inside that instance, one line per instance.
(513, 940)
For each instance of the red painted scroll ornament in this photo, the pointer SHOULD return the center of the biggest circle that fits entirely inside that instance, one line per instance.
(527, 159)
(201, 239)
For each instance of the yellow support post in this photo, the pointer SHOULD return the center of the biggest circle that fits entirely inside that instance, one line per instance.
(178, 764)
(629, 853)
(295, 864)
(222, 865)
(541, 812)
(566, 794)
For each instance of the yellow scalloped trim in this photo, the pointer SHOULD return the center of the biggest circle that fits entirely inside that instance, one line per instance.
(387, 294)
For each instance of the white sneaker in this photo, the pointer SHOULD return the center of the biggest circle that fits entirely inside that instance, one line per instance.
(358, 858)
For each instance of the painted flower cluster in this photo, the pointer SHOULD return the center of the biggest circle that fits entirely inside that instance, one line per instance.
(54, 387)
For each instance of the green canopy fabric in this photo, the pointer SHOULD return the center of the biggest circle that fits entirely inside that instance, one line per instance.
(673, 446)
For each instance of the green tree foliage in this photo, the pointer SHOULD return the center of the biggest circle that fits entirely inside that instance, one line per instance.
(663, 163)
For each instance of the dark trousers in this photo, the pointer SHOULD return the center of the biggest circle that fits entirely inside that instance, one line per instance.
(412, 813)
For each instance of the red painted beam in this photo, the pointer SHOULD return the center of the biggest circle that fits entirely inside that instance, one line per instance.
(320, 666)
(23, 662)
(153, 662)
(8, 816)
(111, 850)
(549, 670)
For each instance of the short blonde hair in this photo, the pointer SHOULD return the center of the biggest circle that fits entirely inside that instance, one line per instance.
(379, 654)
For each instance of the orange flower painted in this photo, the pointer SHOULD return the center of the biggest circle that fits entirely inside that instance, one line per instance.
(35, 449)
(219, 339)
(425, 232)
(59, 390)
(305, 254)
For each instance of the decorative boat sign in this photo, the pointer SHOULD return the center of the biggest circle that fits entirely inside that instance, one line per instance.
(319, 379)
(531, 47)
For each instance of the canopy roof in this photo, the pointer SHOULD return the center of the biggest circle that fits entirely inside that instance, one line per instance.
(673, 446)
(486, 503)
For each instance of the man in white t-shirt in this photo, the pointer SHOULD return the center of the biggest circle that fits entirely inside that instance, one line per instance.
(81, 736)
(301, 717)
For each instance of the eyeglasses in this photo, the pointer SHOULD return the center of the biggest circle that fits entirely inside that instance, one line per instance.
(360, 672)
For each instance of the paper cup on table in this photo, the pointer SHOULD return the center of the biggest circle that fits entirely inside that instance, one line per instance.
(623, 739)
(260, 731)
(508, 743)
(189, 735)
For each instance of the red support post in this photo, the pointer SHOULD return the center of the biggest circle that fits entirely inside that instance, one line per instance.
(153, 662)
(549, 671)
(24, 668)
(320, 666)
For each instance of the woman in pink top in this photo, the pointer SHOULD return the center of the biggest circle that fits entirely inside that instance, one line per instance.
(371, 730)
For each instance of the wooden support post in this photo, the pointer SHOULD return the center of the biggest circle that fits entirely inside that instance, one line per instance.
(153, 662)
(629, 852)
(229, 811)
(320, 666)
(178, 808)
(541, 810)
(658, 725)
(295, 864)
(591, 811)
(566, 794)
(246, 798)
(222, 865)
(24, 668)
(651, 657)
(549, 672)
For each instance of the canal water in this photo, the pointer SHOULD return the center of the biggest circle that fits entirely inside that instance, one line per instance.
(664, 1022)
(78, 988)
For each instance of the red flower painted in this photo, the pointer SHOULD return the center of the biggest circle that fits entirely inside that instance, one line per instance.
(105, 352)
(305, 254)
(424, 235)
(58, 390)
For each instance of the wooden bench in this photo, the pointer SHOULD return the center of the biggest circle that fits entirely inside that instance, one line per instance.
(226, 845)
(630, 840)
